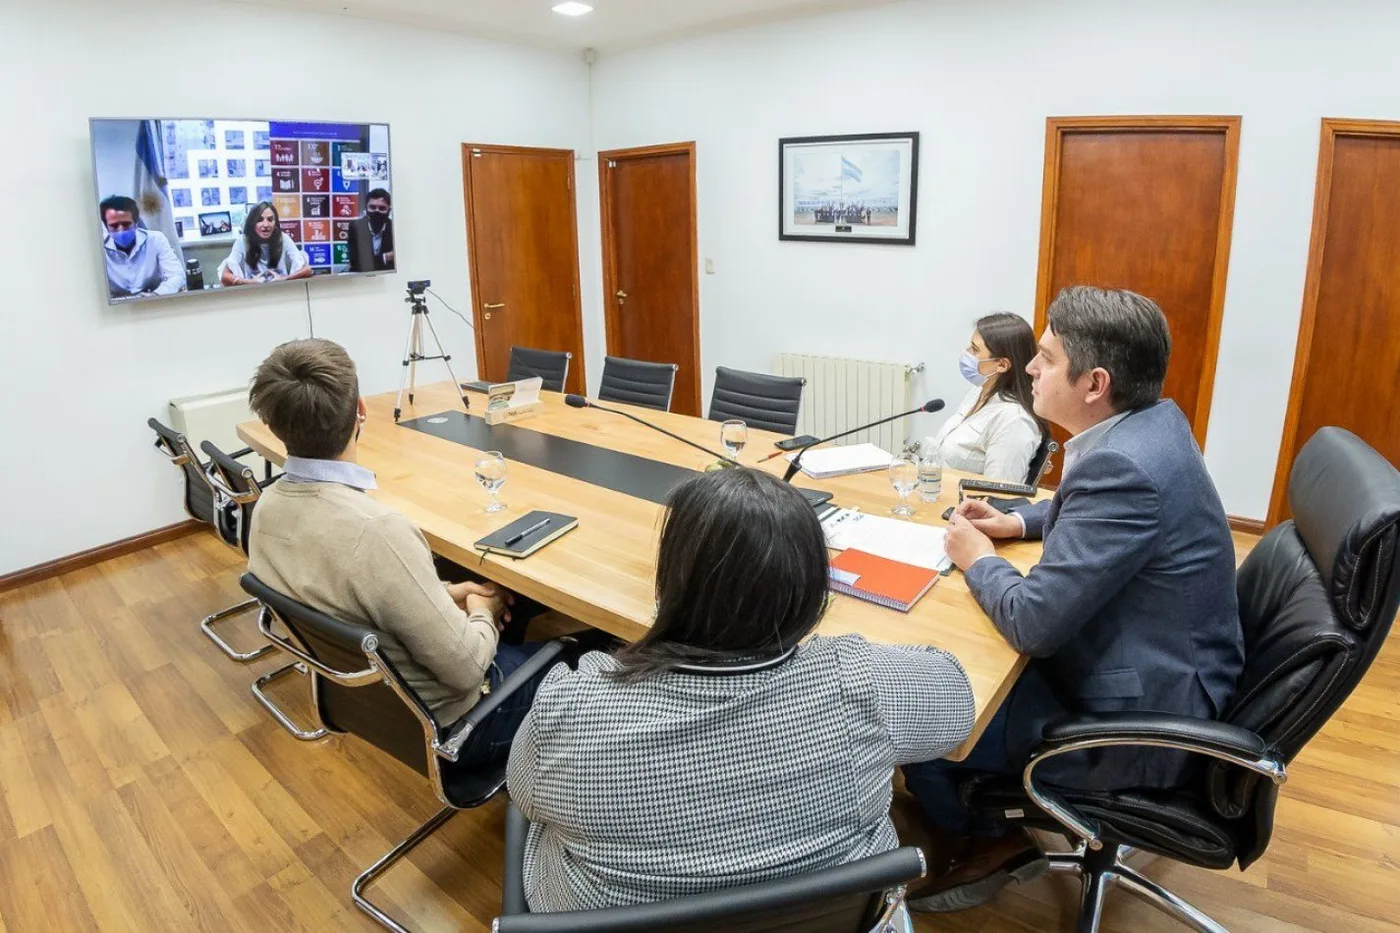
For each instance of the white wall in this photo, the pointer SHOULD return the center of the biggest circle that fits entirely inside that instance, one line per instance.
(978, 78)
(78, 379)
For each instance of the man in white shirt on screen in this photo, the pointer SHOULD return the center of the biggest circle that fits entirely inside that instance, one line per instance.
(139, 262)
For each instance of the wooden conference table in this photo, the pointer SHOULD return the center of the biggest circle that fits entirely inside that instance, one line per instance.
(603, 572)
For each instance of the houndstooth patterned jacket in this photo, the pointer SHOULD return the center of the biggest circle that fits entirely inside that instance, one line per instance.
(712, 777)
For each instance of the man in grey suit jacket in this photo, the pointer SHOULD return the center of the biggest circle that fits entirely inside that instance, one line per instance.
(1132, 605)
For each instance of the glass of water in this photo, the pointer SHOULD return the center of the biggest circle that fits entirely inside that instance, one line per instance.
(491, 474)
(930, 477)
(734, 434)
(904, 477)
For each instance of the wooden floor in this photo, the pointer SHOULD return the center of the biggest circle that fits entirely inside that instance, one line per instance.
(144, 789)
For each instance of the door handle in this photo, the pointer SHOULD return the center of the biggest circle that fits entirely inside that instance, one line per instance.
(491, 307)
(621, 296)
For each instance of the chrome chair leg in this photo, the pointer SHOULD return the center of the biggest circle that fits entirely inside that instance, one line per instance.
(1166, 901)
(1091, 901)
(305, 735)
(243, 657)
(390, 858)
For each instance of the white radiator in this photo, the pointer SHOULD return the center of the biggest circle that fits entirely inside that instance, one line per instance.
(215, 417)
(842, 393)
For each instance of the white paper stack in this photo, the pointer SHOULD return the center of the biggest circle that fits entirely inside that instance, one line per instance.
(841, 461)
(908, 542)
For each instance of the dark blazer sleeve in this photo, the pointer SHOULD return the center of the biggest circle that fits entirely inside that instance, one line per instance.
(1105, 532)
(1034, 515)
(352, 246)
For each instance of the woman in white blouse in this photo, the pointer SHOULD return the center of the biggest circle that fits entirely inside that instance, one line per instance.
(264, 253)
(994, 432)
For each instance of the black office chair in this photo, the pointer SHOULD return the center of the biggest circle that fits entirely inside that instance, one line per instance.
(858, 897)
(355, 689)
(633, 382)
(758, 399)
(551, 366)
(1040, 462)
(214, 502)
(1318, 595)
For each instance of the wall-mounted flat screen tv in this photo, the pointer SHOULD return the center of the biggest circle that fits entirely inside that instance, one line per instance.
(202, 205)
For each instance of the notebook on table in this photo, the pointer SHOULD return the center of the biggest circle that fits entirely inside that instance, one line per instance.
(880, 580)
(527, 534)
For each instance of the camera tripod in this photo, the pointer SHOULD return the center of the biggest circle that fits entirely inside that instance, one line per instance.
(413, 350)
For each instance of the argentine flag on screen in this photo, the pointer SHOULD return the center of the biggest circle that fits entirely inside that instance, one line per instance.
(849, 170)
(149, 185)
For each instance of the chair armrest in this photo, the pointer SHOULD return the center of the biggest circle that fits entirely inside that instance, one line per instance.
(369, 675)
(513, 879)
(1204, 736)
(452, 745)
(722, 909)
(1218, 740)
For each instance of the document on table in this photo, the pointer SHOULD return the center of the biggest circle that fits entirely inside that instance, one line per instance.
(920, 545)
(826, 462)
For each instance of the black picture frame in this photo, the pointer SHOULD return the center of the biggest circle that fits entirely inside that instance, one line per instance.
(846, 232)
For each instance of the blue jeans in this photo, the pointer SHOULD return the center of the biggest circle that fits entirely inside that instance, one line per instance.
(489, 744)
(935, 783)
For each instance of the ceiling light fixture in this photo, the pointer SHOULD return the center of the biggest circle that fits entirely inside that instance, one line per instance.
(572, 8)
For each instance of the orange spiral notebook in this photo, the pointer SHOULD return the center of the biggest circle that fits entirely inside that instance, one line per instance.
(880, 580)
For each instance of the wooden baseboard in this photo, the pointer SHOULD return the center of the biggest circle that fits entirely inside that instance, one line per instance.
(98, 554)
(1253, 526)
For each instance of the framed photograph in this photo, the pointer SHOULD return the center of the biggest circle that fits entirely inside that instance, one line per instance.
(849, 189)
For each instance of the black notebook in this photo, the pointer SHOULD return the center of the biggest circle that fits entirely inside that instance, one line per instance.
(527, 534)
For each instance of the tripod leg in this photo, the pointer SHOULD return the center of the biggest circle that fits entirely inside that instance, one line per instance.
(447, 361)
(417, 355)
(407, 362)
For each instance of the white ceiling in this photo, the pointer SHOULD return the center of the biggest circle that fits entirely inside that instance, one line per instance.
(613, 24)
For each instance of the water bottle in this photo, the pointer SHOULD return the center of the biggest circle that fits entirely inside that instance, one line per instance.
(930, 476)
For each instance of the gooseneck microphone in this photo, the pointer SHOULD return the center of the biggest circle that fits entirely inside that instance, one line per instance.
(578, 401)
(928, 407)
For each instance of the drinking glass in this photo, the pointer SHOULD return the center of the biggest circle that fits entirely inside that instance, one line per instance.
(734, 434)
(904, 477)
(491, 474)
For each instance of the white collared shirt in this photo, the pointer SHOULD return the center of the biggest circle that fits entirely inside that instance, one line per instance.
(997, 441)
(151, 266)
(1087, 440)
(344, 472)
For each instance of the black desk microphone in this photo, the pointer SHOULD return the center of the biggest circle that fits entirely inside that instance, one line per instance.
(578, 401)
(930, 407)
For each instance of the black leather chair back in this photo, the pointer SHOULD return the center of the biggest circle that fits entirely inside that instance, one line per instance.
(550, 365)
(240, 479)
(769, 403)
(844, 899)
(375, 712)
(1318, 595)
(1043, 450)
(634, 382)
(199, 497)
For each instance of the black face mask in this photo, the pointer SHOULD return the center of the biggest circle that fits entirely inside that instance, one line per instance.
(378, 222)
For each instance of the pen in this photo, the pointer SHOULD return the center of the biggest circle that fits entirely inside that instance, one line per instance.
(527, 532)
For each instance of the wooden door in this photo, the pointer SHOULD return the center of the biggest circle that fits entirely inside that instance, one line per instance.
(651, 282)
(522, 248)
(1145, 203)
(1344, 372)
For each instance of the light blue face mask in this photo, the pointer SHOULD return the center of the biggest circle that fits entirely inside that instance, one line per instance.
(124, 239)
(967, 365)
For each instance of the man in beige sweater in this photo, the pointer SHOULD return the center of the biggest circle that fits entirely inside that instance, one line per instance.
(320, 539)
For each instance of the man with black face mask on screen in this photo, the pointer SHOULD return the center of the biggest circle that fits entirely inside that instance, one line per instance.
(371, 243)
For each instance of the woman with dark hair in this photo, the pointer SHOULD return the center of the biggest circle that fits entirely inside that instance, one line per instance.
(726, 746)
(995, 432)
(264, 253)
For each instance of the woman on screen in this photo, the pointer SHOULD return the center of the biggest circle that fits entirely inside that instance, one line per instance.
(264, 253)
(725, 746)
